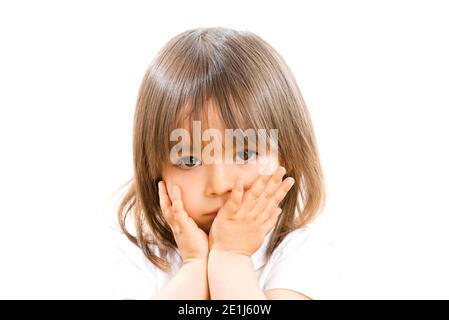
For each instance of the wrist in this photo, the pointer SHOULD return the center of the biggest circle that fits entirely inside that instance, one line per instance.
(227, 262)
(195, 261)
(228, 252)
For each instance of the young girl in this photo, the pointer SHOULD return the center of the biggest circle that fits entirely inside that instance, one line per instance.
(213, 230)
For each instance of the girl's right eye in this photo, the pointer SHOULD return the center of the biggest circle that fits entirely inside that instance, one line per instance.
(188, 162)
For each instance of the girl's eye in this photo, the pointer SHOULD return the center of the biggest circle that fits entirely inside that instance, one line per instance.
(188, 162)
(247, 155)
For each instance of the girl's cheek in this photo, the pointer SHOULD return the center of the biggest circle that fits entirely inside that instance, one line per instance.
(267, 165)
(173, 177)
(251, 176)
(252, 171)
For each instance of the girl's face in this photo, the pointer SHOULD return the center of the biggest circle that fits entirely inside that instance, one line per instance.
(206, 187)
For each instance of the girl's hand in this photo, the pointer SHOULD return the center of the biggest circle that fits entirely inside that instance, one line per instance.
(191, 240)
(243, 222)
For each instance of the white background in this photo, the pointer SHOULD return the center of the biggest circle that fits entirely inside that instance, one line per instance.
(374, 75)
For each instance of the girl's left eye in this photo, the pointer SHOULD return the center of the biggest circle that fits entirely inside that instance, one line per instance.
(247, 155)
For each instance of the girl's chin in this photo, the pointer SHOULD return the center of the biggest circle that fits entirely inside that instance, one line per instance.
(206, 227)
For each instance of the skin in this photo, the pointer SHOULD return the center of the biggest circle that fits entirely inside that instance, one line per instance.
(240, 225)
(218, 248)
(208, 187)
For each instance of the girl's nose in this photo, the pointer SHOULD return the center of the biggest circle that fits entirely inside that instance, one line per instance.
(220, 179)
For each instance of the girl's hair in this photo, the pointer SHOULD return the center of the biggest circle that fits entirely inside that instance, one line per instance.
(253, 87)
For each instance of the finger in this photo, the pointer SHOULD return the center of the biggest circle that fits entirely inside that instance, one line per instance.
(165, 202)
(233, 204)
(283, 189)
(253, 194)
(271, 221)
(270, 190)
(177, 198)
(263, 210)
(192, 222)
(274, 183)
(164, 198)
(180, 217)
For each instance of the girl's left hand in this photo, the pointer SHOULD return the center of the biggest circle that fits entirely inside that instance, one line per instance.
(243, 222)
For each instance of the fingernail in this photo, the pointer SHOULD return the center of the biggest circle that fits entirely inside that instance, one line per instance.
(281, 170)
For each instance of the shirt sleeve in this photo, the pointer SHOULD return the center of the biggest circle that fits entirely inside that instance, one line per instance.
(133, 276)
(301, 264)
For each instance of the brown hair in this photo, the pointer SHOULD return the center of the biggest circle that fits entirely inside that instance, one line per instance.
(252, 87)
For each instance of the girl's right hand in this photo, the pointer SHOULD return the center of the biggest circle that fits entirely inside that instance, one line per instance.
(193, 243)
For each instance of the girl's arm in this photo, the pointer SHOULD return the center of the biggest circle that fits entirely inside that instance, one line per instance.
(232, 276)
(239, 230)
(190, 283)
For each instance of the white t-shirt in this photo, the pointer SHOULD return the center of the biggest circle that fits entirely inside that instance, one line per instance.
(298, 263)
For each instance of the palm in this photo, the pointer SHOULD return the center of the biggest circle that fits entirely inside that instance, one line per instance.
(193, 240)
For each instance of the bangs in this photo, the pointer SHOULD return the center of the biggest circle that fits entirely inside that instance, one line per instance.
(197, 72)
(202, 113)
